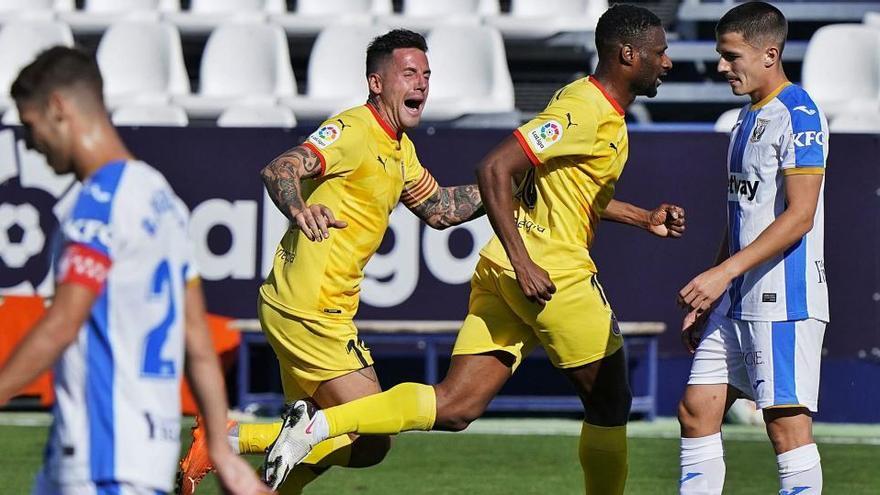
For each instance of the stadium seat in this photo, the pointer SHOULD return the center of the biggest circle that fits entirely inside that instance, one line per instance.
(242, 62)
(97, 15)
(20, 42)
(145, 115)
(33, 9)
(841, 68)
(872, 19)
(10, 117)
(336, 73)
(423, 15)
(257, 116)
(533, 19)
(862, 122)
(727, 120)
(469, 73)
(312, 16)
(204, 15)
(142, 61)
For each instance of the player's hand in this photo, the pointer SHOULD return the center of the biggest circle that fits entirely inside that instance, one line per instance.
(701, 292)
(667, 221)
(316, 220)
(237, 477)
(692, 329)
(534, 282)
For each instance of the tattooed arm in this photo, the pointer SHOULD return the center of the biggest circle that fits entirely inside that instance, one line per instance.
(450, 206)
(283, 179)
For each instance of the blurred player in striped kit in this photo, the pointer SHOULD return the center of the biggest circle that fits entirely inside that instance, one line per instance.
(128, 317)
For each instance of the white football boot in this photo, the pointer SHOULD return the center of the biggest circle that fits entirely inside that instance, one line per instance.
(293, 444)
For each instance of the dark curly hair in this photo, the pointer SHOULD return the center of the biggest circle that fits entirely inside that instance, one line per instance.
(383, 46)
(623, 24)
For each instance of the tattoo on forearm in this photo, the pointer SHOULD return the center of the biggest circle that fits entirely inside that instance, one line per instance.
(451, 206)
(283, 177)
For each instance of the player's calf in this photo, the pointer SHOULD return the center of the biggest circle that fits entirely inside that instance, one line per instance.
(369, 450)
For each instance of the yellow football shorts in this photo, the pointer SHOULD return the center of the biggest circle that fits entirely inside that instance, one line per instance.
(575, 328)
(311, 352)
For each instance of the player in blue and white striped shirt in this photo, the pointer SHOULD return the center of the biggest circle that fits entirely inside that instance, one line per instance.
(763, 340)
(127, 308)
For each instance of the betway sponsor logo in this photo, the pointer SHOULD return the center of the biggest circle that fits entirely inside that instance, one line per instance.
(740, 186)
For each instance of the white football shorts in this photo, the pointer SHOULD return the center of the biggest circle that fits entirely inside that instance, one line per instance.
(774, 363)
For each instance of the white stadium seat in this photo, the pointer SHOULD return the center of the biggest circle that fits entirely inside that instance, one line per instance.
(469, 73)
(33, 9)
(98, 15)
(862, 122)
(337, 72)
(423, 15)
(312, 16)
(841, 68)
(872, 19)
(20, 43)
(204, 15)
(145, 115)
(142, 61)
(10, 117)
(241, 62)
(115, 6)
(541, 19)
(727, 120)
(257, 116)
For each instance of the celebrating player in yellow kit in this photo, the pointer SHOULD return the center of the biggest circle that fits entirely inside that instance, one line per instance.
(357, 166)
(535, 283)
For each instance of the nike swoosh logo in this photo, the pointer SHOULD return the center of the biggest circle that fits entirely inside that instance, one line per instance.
(309, 427)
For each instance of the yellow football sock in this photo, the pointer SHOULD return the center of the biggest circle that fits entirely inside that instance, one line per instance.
(405, 407)
(255, 438)
(603, 459)
(334, 451)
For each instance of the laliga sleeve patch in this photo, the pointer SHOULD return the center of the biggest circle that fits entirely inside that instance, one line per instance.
(325, 136)
(545, 135)
(84, 265)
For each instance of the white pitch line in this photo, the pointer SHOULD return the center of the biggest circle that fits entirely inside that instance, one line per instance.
(842, 434)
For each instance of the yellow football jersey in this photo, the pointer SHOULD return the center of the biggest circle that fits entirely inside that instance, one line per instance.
(365, 172)
(578, 146)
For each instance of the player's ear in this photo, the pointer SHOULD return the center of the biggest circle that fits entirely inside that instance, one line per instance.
(374, 82)
(57, 106)
(771, 56)
(627, 54)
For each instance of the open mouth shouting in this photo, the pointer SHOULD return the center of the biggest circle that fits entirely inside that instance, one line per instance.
(414, 105)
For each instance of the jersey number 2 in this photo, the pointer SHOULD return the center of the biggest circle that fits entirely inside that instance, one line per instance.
(153, 365)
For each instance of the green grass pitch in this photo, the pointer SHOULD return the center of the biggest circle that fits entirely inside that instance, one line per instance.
(490, 463)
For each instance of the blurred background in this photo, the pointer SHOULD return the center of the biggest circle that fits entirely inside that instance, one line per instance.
(209, 91)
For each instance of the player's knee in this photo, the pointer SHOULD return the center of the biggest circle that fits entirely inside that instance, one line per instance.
(455, 412)
(458, 416)
(688, 417)
(611, 409)
(788, 428)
